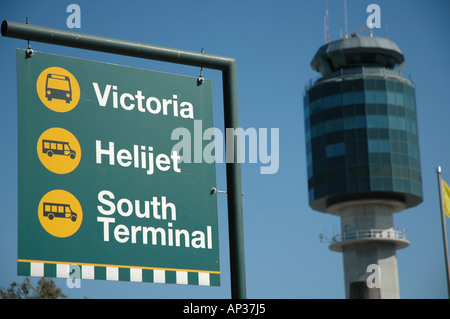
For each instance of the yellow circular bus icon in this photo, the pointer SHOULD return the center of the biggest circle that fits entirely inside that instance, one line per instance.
(60, 213)
(58, 89)
(59, 150)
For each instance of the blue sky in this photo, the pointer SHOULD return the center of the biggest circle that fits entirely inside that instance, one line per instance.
(273, 42)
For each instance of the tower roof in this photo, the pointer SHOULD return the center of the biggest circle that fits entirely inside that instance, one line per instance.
(357, 51)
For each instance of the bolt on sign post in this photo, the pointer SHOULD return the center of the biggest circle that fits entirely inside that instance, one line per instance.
(99, 184)
(59, 89)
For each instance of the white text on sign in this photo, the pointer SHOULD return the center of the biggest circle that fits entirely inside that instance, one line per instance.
(147, 234)
(141, 157)
(152, 105)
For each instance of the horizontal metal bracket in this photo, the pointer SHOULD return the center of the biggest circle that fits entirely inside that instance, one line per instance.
(215, 190)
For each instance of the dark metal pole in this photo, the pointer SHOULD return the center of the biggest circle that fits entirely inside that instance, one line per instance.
(234, 188)
(444, 228)
(85, 41)
(153, 52)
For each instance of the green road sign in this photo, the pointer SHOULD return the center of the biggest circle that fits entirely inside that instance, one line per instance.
(101, 191)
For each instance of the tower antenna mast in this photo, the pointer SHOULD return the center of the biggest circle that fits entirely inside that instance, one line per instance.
(327, 24)
(345, 18)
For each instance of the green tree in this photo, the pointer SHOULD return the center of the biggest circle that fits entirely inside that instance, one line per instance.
(45, 289)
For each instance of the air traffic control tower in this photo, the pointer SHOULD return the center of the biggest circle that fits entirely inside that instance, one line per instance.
(363, 155)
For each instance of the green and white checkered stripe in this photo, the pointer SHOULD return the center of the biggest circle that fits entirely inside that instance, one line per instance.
(36, 268)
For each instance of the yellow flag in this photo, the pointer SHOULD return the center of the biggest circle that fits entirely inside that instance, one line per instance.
(446, 198)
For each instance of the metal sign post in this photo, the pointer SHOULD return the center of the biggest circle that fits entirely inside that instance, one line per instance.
(231, 118)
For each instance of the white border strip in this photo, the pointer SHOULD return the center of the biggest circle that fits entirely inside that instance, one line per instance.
(37, 269)
(112, 274)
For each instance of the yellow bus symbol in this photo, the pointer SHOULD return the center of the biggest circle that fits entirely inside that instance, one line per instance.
(57, 147)
(52, 210)
(58, 89)
(60, 213)
(59, 150)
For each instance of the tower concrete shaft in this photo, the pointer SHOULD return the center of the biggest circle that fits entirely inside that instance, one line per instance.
(369, 242)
